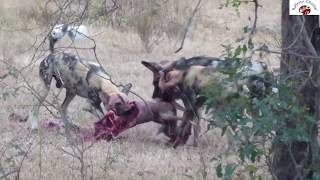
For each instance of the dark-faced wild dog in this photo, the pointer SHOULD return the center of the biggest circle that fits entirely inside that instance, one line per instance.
(185, 78)
(78, 77)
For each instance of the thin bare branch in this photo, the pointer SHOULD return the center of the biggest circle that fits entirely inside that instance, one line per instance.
(188, 26)
(5, 176)
(254, 26)
(297, 166)
(23, 158)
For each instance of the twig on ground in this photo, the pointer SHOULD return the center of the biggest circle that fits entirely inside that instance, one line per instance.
(21, 162)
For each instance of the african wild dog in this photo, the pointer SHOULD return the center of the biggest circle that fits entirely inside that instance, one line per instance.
(183, 79)
(78, 77)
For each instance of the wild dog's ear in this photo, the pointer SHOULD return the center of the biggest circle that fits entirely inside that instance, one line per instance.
(126, 88)
(154, 67)
(78, 32)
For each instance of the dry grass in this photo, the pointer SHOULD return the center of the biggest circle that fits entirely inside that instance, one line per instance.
(138, 153)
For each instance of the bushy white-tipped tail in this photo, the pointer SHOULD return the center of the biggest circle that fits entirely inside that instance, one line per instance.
(73, 32)
(78, 32)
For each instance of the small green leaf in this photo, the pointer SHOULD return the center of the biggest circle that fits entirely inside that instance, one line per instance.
(228, 172)
(246, 29)
(251, 168)
(219, 171)
(244, 49)
(188, 176)
(237, 52)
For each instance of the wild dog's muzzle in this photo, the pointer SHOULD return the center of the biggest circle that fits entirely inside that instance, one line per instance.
(118, 103)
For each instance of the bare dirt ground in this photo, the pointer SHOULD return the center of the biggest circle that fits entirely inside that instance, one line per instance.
(139, 153)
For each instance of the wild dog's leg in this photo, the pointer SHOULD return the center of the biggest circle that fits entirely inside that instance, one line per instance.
(194, 102)
(41, 96)
(45, 73)
(64, 107)
(170, 130)
(191, 112)
(96, 104)
(99, 111)
(168, 119)
(184, 130)
(197, 102)
(196, 131)
(169, 127)
(196, 126)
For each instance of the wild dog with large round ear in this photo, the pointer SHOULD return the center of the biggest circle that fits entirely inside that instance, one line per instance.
(181, 133)
(110, 95)
(157, 70)
(184, 78)
(71, 72)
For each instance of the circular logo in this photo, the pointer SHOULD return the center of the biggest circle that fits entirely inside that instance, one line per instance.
(304, 10)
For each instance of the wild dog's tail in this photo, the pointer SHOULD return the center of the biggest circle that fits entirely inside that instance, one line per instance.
(78, 32)
(73, 32)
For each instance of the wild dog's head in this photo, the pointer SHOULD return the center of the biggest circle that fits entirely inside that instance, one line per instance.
(164, 82)
(118, 101)
(168, 76)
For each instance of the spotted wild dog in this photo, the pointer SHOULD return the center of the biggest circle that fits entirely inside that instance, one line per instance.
(185, 78)
(77, 76)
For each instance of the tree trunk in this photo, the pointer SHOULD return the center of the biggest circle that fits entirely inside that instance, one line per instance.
(300, 68)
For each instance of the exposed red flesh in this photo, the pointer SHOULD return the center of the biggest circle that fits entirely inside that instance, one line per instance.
(111, 124)
(106, 128)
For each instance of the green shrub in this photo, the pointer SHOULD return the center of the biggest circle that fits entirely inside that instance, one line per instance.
(258, 122)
